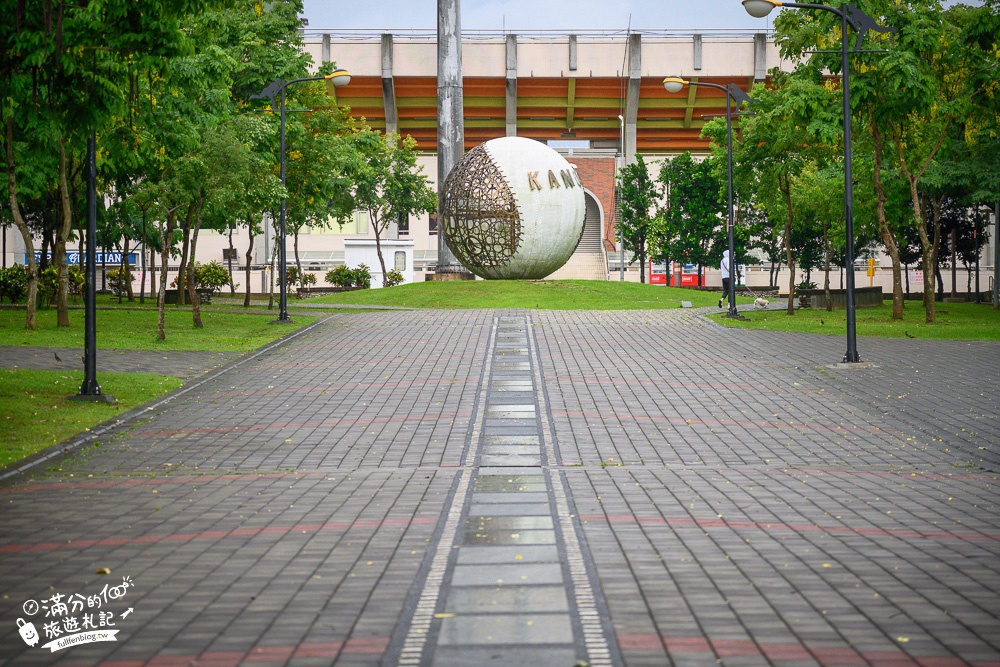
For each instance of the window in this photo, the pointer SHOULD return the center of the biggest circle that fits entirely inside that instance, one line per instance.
(432, 223)
(404, 223)
(400, 260)
(356, 225)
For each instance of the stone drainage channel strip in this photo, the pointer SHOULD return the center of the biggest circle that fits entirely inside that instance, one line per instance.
(508, 583)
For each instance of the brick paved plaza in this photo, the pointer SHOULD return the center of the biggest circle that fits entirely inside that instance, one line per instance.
(471, 488)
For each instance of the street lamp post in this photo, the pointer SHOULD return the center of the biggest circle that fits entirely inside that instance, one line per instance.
(90, 390)
(850, 16)
(338, 77)
(674, 84)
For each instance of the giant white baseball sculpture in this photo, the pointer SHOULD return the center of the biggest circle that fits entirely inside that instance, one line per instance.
(513, 208)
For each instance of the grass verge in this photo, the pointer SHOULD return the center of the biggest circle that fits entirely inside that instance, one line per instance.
(953, 321)
(529, 294)
(36, 413)
(136, 330)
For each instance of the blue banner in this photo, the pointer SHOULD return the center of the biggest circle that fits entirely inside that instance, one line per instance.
(75, 257)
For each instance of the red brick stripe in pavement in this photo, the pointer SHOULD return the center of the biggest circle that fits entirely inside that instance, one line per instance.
(720, 422)
(368, 362)
(355, 646)
(215, 534)
(278, 425)
(156, 481)
(337, 387)
(685, 522)
(688, 385)
(775, 652)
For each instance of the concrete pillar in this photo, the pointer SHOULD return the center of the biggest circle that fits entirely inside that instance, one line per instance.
(325, 53)
(632, 95)
(451, 121)
(572, 53)
(511, 85)
(389, 86)
(759, 56)
(697, 52)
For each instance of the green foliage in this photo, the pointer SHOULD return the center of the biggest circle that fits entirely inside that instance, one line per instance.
(118, 280)
(361, 276)
(691, 228)
(385, 181)
(340, 276)
(308, 279)
(48, 285)
(13, 283)
(77, 280)
(212, 276)
(344, 276)
(392, 278)
(637, 194)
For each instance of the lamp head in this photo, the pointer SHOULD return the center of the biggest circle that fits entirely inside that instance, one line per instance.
(674, 84)
(339, 77)
(760, 8)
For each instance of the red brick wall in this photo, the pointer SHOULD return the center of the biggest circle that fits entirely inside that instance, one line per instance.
(598, 176)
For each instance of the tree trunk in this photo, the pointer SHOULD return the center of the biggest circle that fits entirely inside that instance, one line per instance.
(270, 298)
(62, 234)
(22, 226)
(192, 282)
(929, 247)
(161, 298)
(377, 225)
(128, 270)
(786, 189)
(246, 299)
(929, 251)
(142, 261)
(185, 245)
(827, 251)
(888, 238)
(298, 262)
(152, 273)
(232, 248)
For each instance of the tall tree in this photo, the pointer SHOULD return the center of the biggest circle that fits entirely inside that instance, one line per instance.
(386, 181)
(692, 225)
(637, 194)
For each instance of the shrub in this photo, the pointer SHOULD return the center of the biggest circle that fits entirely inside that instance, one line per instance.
(362, 276)
(392, 278)
(340, 276)
(118, 280)
(291, 275)
(212, 276)
(308, 279)
(48, 286)
(805, 284)
(14, 283)
(77, 280)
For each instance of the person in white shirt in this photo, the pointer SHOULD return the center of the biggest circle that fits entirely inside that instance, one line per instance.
(726, 282)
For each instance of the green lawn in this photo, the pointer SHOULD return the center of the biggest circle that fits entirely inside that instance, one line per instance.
(36, 413)
(532, 294)
(953, 321)
(224, 331)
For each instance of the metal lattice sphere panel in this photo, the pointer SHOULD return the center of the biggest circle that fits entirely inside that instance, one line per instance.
(513, 208)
